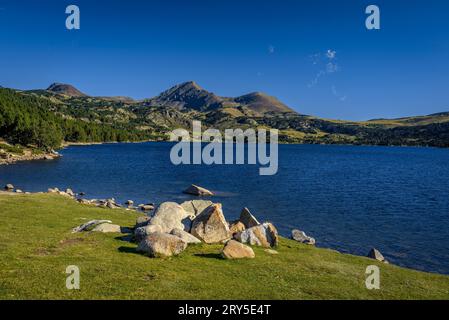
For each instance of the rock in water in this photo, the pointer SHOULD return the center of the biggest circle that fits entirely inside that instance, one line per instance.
(9, 187)
(211, 226)
(264, 235)
(168, 216)
(248, 219)
(198, 191)
(161, 245)
(187, 237)
(107, 228)
(142, 232)
(301, 236)
(375, 254)
(237, 250)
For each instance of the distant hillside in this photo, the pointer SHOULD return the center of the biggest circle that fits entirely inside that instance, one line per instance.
(262, 103)
(46, 117)
(65, 89)
(190, 95)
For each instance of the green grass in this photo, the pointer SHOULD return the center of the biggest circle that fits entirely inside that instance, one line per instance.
(36, 246)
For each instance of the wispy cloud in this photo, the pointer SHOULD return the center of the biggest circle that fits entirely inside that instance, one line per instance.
(339, 96)
(271, 49)
(327, 63)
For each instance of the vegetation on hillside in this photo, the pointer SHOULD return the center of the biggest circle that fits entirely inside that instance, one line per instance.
(27, 119)
(46, 118)
(37, 245)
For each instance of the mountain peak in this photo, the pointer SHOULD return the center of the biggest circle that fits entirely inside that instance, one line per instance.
(65, 89)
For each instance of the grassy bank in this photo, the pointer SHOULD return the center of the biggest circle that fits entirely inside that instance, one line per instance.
(36, 246)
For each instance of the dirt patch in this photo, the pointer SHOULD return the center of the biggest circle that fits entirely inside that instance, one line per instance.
(70, 242)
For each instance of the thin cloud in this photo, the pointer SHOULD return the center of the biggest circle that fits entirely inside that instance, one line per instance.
(271, 49)
(327, 63)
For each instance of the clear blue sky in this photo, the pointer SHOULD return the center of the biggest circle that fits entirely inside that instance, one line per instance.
(232, 47)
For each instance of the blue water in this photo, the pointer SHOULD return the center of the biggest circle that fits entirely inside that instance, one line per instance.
(349, 198)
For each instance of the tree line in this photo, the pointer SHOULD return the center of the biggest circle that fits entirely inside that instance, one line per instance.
(28, 120)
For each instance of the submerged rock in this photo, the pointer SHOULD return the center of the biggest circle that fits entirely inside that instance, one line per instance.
(376, 255)
(301, 236)
(211, 226)
(198, 191)
(237, 250)
(264, 235)
(248, 219)
(162, 245)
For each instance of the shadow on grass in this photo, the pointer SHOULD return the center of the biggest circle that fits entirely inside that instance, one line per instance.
(209, 255)
(129, 250)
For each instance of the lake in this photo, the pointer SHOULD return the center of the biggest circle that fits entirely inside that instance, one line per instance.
(349, 198)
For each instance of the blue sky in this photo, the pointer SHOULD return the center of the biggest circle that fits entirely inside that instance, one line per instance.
(283, 48)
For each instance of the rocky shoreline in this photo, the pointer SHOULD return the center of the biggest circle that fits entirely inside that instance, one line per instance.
(7, 158)
(167, 229)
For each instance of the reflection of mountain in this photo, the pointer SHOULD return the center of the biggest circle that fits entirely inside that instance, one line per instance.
(122, 118)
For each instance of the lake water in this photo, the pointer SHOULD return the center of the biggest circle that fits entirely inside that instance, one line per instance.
(349, 198)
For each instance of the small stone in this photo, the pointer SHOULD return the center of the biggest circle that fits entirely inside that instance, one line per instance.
(301, 236)
(107, 228)
(376, 255)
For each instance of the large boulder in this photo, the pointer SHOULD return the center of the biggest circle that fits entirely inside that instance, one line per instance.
(301, 236)
(264, 235)
(211, 226)
(195, 207)
(169, 215)
(198, 191)
(187, 237)
(107, 228)
(376, 255)
(248, 219)
(142, 221)
(236, 227)
(142, 232)
(70, 192)
(160, 244)
(237, 250)
(9, 187)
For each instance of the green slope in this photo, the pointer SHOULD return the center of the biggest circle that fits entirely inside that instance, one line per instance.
(36, 246)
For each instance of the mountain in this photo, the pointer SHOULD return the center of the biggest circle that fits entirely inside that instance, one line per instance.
(262, 103)
(65, 89)
(187, 95)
